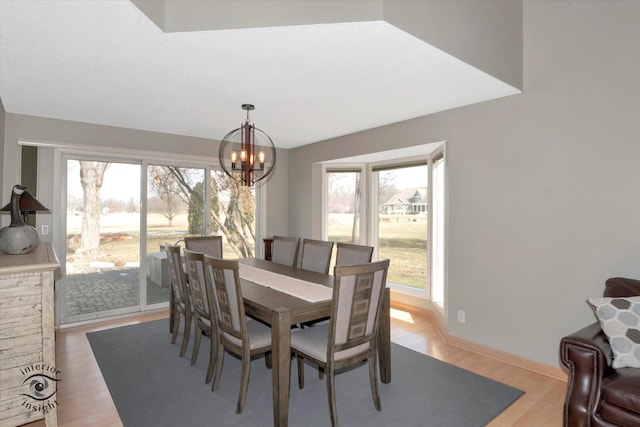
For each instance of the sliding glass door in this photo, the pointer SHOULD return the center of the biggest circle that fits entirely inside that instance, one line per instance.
(174, 209)
(232, 214)
(102, 259)
(111, 219)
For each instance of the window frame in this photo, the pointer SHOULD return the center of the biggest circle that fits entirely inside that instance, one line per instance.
(60, 156)
(373, 167)
(364, 209)
(438, 153)
(369, 223)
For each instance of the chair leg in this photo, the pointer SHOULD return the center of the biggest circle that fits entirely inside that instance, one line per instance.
(196, 344)
(331, 391)
(373, 378)
(185, 336)
(176, 326)
(212, 359)
(320, 373)
(300, 372)
(267, 360)
(244, 382)
(219, 360)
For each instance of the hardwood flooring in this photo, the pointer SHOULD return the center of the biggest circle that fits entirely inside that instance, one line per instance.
(84, 399)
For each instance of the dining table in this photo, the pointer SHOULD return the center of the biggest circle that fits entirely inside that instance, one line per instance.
(275, 294)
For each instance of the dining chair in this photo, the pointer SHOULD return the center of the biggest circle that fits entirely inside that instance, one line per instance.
(350, 254)
(350, 337)
(204, 318)
(235, 332)
(316, 255)
(181, 301)
(210, 245)
(285, 250)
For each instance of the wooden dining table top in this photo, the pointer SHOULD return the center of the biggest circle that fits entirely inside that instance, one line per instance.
(261, 300)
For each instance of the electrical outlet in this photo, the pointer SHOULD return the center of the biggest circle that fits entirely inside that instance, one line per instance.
(461, 316)
(44, 229)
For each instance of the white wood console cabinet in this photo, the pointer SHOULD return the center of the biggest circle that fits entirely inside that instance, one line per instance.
(27, 337)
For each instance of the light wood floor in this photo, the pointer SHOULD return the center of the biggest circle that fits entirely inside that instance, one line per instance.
(84, 399)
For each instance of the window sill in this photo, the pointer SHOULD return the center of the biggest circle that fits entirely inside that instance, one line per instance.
(410, 296)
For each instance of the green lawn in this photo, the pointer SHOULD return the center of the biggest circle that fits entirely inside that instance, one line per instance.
(120, 237)
(403, 239)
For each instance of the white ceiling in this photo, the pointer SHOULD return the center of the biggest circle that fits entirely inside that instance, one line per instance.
(105, 62)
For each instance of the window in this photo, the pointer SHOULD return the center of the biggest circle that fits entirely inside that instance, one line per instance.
(233, 215)
(174, 209)
(437, 230)
(402, 222)
(175, 204)
(402, 216)
(343, 206)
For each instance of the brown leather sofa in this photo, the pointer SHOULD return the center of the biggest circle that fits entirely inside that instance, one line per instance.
(598, 395)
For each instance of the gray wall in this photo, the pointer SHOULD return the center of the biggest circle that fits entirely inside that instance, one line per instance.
(197, 15)
(2, 127)
(543, 187)
(486, 34)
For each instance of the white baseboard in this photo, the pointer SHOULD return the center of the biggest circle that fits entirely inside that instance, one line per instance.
(512, 359)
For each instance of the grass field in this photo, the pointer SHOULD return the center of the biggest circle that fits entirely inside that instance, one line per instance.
(120, 237)
(402, 239)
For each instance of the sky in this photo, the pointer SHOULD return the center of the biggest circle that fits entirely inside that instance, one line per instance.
(121, 181)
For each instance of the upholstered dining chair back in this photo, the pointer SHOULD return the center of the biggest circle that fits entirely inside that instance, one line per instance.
(181, 300)
(202, 306)
(316, 255)
(350, 254)
(350, 337)
(285, 250)
(357, 298)
(227, 298)
(235, 332)
(176, 272)
(210, 245)
(197, 284)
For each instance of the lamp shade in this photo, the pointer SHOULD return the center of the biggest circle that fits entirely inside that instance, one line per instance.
(27, 204)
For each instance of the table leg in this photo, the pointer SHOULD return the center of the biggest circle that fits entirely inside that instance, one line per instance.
(384, 339)
(281, 364)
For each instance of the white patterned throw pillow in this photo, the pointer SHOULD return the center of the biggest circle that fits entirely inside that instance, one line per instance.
(620, 321)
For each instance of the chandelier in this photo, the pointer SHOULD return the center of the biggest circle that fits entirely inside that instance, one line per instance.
(247, 154)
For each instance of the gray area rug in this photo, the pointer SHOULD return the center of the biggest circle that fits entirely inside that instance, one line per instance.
(152, 386)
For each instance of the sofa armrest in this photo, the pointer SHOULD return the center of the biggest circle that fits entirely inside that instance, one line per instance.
(587, 355)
